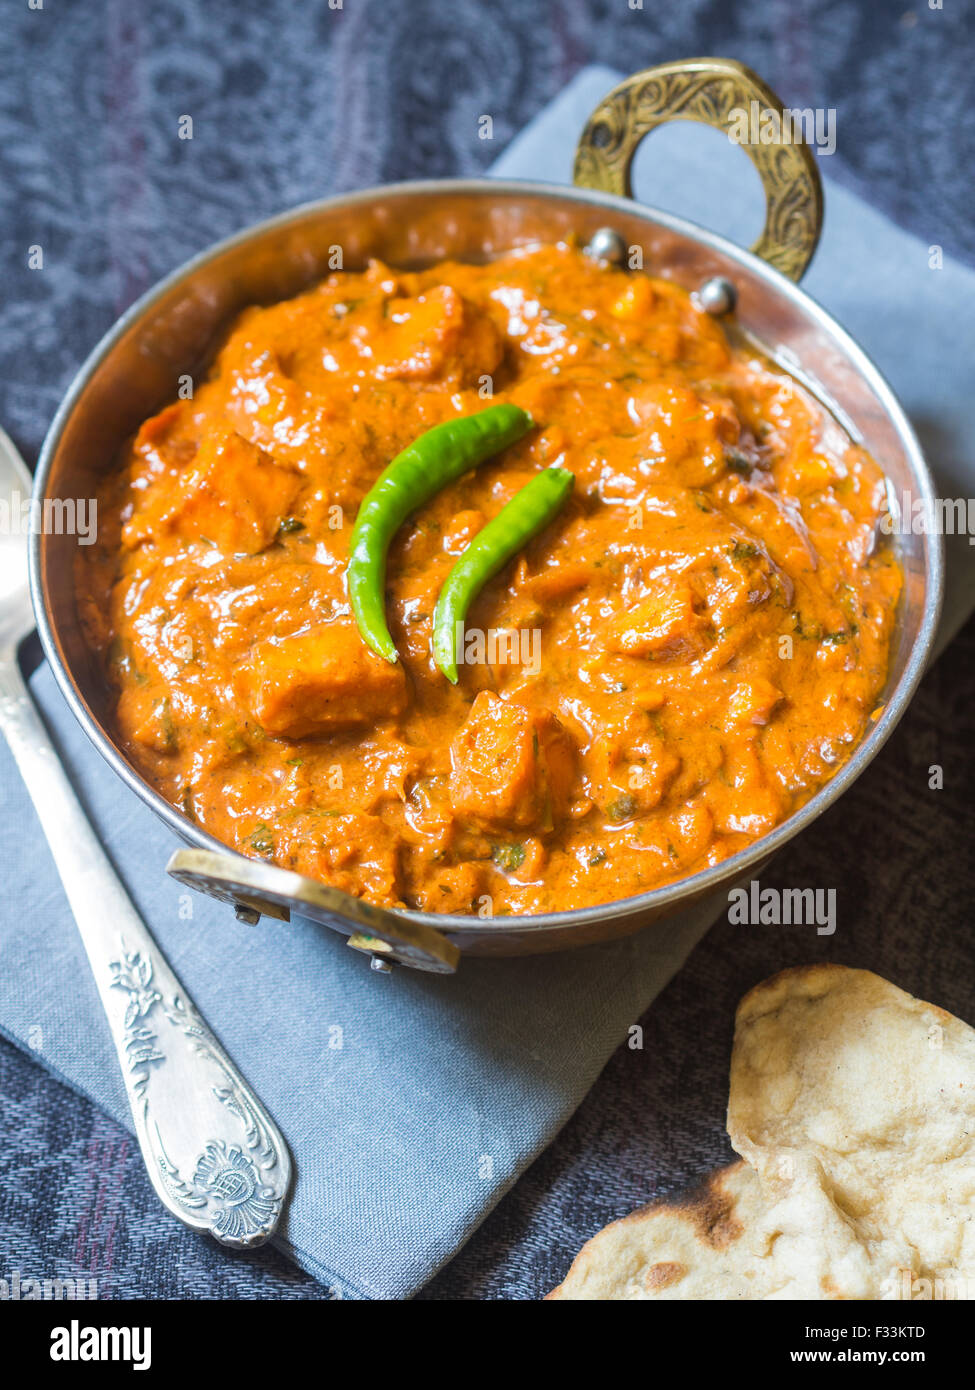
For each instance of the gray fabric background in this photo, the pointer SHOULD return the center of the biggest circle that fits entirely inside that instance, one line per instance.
(297, 100)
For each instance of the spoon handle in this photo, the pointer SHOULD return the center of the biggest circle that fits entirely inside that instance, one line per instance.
(214, 1155)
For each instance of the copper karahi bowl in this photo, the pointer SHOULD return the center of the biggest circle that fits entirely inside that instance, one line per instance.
(172, 329)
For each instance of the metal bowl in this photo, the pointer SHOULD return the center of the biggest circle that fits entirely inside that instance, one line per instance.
(172, 330)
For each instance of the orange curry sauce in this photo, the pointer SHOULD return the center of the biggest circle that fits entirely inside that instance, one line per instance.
(700, 636)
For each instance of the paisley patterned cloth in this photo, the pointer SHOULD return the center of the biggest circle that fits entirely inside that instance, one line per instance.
(292, 101)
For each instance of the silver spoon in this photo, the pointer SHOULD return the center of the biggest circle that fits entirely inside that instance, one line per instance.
(215, 1156)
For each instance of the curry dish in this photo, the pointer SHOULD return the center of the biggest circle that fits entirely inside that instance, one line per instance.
(668, 670)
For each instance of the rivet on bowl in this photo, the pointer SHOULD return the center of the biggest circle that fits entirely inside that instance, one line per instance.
(606, 244)
(717, 296)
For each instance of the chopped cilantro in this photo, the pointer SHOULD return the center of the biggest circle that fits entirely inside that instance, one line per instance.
(508, 857)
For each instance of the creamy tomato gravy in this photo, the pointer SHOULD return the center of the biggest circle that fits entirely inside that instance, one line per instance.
(702, 633)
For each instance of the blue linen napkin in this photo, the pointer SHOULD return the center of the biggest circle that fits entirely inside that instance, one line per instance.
(411, 1103)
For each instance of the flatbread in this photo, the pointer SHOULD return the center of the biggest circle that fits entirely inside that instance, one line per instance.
(853, 1107)
(842, 1080)
(688, 1249)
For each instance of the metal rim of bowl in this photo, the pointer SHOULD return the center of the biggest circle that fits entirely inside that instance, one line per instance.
(658, 899)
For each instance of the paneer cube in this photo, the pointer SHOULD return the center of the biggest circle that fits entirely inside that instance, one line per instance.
(439, 335)
(751, 703)
(231, 496)
(319, 681)
(512, 767)
(628, 767)
(663, 621)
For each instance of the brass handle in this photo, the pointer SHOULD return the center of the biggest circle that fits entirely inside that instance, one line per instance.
(255, 888)
(713, 91)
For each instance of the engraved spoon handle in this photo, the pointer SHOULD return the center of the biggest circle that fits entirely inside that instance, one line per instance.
(214, 1155)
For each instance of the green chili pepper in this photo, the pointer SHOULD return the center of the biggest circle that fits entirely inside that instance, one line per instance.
(524, 516)
(423, 469)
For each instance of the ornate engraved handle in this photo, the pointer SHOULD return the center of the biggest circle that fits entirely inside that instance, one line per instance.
(214, 1154)
(724, 94)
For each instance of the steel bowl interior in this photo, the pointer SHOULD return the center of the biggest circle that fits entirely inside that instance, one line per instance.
(173, 329)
